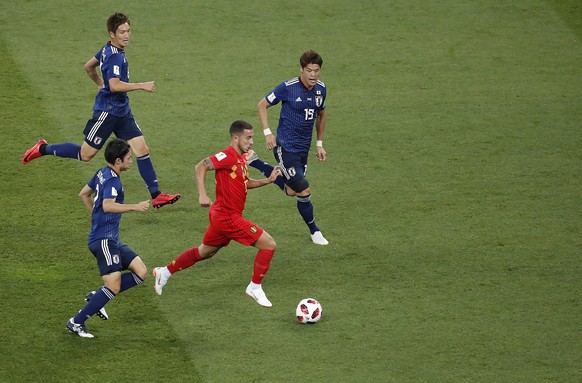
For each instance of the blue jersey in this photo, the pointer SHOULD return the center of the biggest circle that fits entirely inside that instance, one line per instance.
(113, 65)
(105, 184)
(299, 108)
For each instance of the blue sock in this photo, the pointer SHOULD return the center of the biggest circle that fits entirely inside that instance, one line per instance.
(147, 172)
(280, 182)
(67, 150)
(305, 208)
(266, 169)
(262, 166)
(129, 280)
(102, 296)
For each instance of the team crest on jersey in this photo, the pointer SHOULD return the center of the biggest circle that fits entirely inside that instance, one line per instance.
(253, 229)
(318, 100)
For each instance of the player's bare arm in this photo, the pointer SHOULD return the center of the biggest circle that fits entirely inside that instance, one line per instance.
(116, 85)
(86, 195)
(320, 152)
(263, 117)
(320, 121)
(201, 169)
(110, 206)
(265, 181)
(91, 69)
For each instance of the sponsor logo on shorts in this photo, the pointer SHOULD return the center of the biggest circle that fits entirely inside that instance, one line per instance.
(254, 229)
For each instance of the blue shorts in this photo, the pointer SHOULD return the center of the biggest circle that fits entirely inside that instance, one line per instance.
(293, 167)
(111, 255)
(100, 127)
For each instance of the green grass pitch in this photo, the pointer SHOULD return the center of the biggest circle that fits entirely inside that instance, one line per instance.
(451, 196)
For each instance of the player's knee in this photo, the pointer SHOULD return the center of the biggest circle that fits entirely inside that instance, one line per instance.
(138, 268)
(115, 288)
(271, 246)
(208, 255)
(207, 252)
(299, 186)
(305, 193)
(269, 243)
(139, 147)
(142, 151)
(86, 157)
(142, 273)
(289, 192)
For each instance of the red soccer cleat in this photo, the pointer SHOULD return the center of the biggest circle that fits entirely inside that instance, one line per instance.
(33, 152)
(165, 199)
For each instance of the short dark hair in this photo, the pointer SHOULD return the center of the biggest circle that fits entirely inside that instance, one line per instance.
(310, 57)
(115, 20)
(116, 148)
(239, 126)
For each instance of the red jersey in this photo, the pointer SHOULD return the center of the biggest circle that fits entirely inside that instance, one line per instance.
(231, 175)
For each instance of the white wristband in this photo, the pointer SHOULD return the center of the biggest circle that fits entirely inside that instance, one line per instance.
(319, 143)
(267, 131)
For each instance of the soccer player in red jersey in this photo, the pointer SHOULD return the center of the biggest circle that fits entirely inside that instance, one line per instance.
(226, 220)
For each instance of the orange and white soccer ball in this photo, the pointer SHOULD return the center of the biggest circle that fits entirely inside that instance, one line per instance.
(308, 310)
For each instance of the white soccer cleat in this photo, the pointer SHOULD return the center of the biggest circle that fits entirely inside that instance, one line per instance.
(78, 329)
(161, 276)
(258, 295)
(318, 238)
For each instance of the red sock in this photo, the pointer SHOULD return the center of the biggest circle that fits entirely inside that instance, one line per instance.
(184, 260)
(262, 262)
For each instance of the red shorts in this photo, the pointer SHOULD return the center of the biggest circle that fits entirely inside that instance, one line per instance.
(224, 228)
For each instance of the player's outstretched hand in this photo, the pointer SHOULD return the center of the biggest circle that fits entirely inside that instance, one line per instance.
(148, 86)
(275, 173)
(142, 206)
(205, 201)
